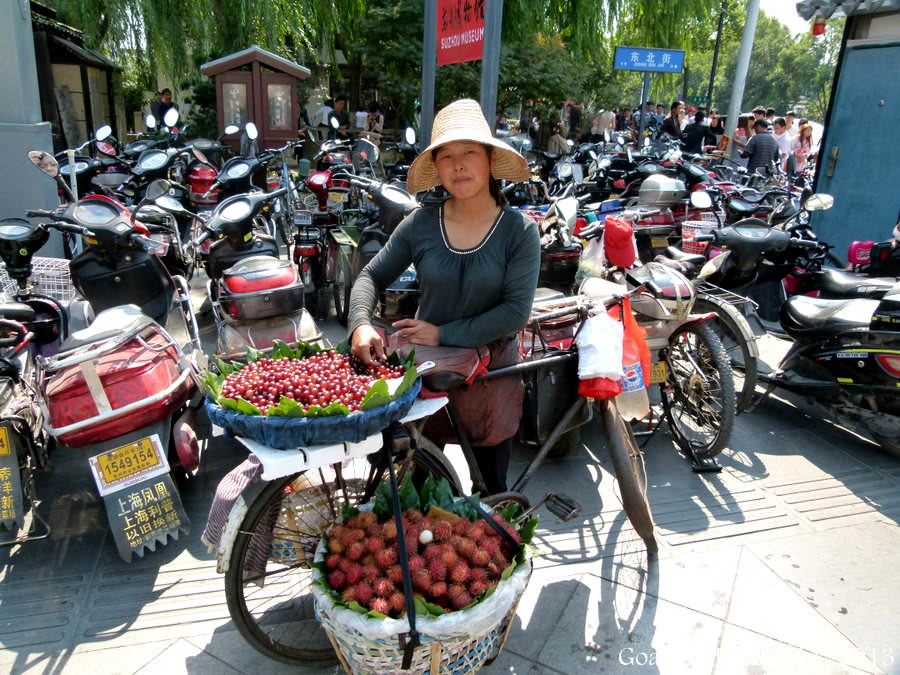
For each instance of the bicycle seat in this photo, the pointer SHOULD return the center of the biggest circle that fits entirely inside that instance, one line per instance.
(443, 381)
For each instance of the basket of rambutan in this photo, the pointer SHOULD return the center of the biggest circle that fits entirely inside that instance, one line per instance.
(309, 395)
(467, 575)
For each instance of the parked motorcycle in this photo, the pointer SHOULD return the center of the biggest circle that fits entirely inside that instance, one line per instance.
(121, 389)
(256, 297)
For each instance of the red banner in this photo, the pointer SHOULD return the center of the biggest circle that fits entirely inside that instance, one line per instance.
(460, 31)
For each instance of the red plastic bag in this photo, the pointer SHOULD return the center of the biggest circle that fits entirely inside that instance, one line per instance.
(599, 388)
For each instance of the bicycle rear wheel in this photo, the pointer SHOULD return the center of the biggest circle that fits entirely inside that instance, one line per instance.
(698, 394)
(631, 475)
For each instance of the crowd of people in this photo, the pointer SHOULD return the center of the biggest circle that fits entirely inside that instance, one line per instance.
(696, 128)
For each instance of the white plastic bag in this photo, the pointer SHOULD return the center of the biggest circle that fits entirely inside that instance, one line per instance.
(600, 348)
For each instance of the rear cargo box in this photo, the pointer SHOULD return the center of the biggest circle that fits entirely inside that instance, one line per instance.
(144, 379)
(549, 391)
(260, 287)
(662, 191)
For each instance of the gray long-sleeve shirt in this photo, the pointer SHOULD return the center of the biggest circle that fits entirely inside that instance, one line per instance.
(475, 295)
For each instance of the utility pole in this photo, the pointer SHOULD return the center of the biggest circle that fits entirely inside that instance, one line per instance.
(743, 67)
(490, 59)
(429, 66)
(712, 73)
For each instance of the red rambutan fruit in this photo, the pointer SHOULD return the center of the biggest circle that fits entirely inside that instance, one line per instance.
(478, 574)
(413, 516)
(385, 558)
(421, 581)
(398, 602)
(449, 557)
(479, 558)
(490, 546)
(395, 574)
(438, 570)
(431, 552)
(442, 530)
(332, 561)
(354, 574)
(380, 605)
(476, 588)
(365, 519)
(337, 580)
(371, 573)
(459, 574)
(461, 527)
(465, 547)
(416, 563)
(389, 530)
(438, 590)
(362, 593)
(383, 588)
(356, 551)
(335, 546)
(461, 600)
(374, 530)
(348, 595)
(375, 544)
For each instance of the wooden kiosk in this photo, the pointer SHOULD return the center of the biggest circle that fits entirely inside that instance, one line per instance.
(255, 85)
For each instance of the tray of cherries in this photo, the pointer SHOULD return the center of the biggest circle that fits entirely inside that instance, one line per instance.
(308, 395)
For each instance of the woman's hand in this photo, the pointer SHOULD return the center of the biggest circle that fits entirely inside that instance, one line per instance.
(367, 345)
(417, 332)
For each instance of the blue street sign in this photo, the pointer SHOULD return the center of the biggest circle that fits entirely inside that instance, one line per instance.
(649, 60)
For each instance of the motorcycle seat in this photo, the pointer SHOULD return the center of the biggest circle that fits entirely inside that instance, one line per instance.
(110, 323)
(682, 256)
(843, 284)
(804, 317)
(752, 196)
(742, 206)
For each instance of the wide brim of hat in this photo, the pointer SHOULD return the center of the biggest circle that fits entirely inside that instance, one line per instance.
(507, 163)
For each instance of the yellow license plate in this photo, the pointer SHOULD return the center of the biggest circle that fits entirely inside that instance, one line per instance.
(658, 373)
(5, 449)
(337, 196)
(659, 243)
(127, 460)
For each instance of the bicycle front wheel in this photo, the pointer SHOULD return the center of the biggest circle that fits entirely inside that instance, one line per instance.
(631, 475)
(698, 394)
(267, 585)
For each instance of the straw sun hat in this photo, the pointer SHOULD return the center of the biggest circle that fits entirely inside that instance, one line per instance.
(463, 120)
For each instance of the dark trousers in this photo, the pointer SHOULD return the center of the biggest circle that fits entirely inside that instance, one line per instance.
(493, 462)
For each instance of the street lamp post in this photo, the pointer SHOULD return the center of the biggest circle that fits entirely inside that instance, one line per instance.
(712, 74)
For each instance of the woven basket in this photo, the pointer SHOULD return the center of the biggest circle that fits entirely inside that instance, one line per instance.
(295, 432)
(441, 651)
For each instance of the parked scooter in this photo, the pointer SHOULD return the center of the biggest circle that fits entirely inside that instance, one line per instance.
(256, 297)
(122, 389)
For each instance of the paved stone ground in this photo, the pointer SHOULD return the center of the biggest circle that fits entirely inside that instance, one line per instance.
(785, 562)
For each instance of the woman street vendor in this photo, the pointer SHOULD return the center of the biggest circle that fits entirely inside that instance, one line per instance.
(477, 262)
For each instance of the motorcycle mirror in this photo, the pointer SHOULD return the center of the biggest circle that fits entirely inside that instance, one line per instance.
(620, 139)
(45, 162)
(577, 174)
(701, 200)
(170, 119)
(607, 136)
(570, 143)
(103, 133)
(646, 142)
(628, 152)
(231, 129)
(150, 122)
(333, 121)
(169, 203)
(818, 201)
(157, 188)
(252, 131)
(410, 136)
(199, 155)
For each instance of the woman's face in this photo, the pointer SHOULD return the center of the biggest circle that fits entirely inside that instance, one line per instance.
(463, 168)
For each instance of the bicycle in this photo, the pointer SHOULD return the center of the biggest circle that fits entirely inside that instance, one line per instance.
(275, 525)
